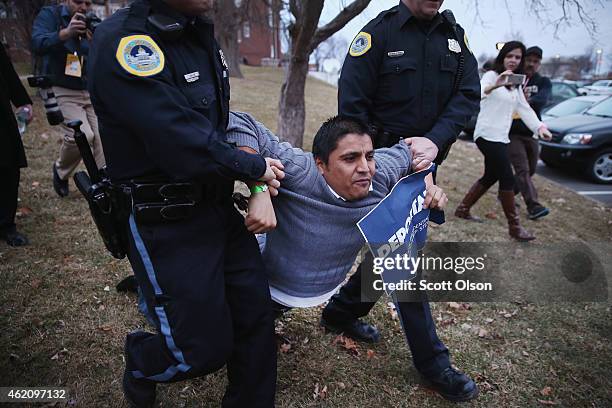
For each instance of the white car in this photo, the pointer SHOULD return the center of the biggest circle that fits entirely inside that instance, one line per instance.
(601, 87)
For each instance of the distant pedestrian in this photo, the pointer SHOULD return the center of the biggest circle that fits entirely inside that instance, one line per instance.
(524, 149)
(12, 154)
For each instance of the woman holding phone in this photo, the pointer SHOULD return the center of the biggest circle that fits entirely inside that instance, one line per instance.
(502, 97)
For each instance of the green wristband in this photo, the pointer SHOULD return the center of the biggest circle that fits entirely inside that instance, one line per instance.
(259, 188)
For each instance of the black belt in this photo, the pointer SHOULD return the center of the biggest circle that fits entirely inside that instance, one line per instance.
(161, 202)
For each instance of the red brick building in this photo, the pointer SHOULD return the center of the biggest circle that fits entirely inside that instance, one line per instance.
(259, 37)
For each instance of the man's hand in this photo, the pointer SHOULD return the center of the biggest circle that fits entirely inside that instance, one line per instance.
(424, 151)
(274, 173)
(435, 196)
(76, 27)
(260, 216)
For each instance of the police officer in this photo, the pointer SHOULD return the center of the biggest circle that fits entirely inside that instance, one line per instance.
(159, 84)
(409, 73)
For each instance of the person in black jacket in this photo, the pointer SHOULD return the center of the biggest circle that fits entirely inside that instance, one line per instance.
(524, 149)
(12, 154)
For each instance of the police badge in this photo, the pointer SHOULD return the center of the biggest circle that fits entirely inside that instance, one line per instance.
(453, 45)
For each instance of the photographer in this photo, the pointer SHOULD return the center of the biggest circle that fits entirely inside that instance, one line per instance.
(61, 35)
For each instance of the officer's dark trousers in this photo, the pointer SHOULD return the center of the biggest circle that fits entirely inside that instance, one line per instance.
(204, 282)
(9, 187)
(429, 354)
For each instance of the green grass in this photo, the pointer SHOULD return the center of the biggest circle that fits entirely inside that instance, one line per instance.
(53, 298)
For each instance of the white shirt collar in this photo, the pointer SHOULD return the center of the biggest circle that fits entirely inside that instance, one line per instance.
(338, 196)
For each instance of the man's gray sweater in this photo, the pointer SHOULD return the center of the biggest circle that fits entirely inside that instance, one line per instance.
(316, 239)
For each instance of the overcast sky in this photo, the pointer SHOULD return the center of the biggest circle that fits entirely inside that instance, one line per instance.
(501, 19)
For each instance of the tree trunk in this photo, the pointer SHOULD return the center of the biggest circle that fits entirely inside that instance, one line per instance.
(292, 112)
(305, 38)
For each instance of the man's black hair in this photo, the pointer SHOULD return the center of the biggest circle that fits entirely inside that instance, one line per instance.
(331, 131)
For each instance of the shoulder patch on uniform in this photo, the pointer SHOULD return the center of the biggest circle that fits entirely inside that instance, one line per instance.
(467, 43)
(140, 55)
(361, 44)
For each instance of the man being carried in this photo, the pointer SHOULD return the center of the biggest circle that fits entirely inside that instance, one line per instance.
(322, 197)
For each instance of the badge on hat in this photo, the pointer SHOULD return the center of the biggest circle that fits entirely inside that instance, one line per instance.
(140, 55)
(453, 45)
(361, 44)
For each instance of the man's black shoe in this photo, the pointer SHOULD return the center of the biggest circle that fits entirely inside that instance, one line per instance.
(128, 284)
(14, 238)
(60, 186)
(138, 392)
(453, 385)
(538, 212)
(355, 329)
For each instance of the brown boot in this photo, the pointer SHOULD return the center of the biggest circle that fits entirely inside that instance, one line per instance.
(514, 226)
(463, 209)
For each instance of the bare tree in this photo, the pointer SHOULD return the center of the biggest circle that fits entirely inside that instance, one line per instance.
(570, 11)
(229, 16)
(334, 47)
(584, 64)
(305, 37)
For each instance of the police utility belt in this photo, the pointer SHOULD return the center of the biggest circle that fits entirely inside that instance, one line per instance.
(162, 202)
(382, 138)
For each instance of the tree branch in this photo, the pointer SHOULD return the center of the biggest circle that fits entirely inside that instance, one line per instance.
(346, 15)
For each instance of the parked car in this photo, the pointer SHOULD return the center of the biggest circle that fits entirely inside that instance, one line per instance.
(571, 106)
(582, 142)
(601, 87)
(560, 92)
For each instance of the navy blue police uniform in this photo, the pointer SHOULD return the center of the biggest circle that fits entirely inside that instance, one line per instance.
(405, 77)
(159, 84)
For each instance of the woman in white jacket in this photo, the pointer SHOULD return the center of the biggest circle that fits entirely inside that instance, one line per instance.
(499, 103)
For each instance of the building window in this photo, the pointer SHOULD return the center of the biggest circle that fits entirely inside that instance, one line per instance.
(246, 30)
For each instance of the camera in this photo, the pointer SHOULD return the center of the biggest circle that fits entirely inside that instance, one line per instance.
(54, 114)
(92, 21)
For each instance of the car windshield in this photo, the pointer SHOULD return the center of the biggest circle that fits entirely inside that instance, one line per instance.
(601, 83)
(603, 108)
(568, 107)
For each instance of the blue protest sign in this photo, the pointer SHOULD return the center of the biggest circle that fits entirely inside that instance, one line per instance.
(396, 229)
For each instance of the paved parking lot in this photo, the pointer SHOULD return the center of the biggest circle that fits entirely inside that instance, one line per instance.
(581, 185)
